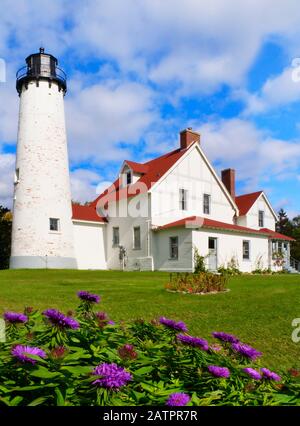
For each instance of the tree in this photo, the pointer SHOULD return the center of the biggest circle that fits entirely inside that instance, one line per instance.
(295, 246)
(283, 222)
(5, 236)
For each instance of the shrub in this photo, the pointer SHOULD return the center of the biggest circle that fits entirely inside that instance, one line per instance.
(203, 282)
(55, 360)
(232, 267)
(199, 262)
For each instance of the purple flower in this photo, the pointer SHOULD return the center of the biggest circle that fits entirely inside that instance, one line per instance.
(246, 351)
(193, 341)
(179, 326)
(178, 399)
(15, 317)
(218, 371)
(252, 373)
(22, 353)
(225, 337)
(88, 297)
(111, 322)
(111, 376)
(270, 375)
(102, 316)
(58, 319)
(127, 352)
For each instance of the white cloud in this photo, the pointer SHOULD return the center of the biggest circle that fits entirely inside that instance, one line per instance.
(84, 185)
(101, 116)
(277, 91)
(258, 158)
(7, 165)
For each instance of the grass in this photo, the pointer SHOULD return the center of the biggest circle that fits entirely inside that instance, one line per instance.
(258, 309)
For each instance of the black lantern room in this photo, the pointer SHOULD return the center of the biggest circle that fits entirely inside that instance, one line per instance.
(41, 66)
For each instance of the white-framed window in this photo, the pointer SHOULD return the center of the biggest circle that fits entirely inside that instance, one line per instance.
(128, 177)
(173, 244)
(206, 203)
(246, 250)
(116, 236)
(137, 238)
(54, 224)
(261, 218)
(183, 195)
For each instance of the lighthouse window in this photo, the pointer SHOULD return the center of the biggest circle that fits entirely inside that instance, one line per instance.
(17, 176)
(54, 224)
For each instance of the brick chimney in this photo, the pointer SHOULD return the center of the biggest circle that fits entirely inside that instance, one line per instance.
(187, 137)
(228, 178)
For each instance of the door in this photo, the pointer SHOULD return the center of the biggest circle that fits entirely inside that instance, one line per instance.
(212, 254)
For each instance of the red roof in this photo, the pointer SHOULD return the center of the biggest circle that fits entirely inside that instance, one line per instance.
(153, 170)
(137, 167)
(86, 213)
(245, 202)
(201, 222)
(276, 235)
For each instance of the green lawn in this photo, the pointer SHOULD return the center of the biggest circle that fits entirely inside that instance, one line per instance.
(258, 309)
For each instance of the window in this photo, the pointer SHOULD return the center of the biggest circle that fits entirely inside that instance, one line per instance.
(128, 178)
(54, 224)
(116, 236)
(173, 248)
(246, 250)
(261, 217)
(17, 176)
(137, 237)
(206, 204)
(183, 199)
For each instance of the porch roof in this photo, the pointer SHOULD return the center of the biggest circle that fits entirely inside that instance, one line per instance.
(196, 222)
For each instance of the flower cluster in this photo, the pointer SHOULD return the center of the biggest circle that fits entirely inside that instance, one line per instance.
(111, 376)
(58, 319)
(22, 353)
(15, 317)
(254, 374)
(246, 350)
(219, 371)
(127, 352)
(88, 297)
(193, 341)
(270, 375)
(225, 337)
(179, 399)
(179, 326)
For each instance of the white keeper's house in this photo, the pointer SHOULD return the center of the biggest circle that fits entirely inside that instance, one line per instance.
(154, 216)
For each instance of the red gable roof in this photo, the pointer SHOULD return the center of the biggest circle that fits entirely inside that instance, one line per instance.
(153, 170)
(200, 222)
(137, 167)
(86, 213)
(245, 202)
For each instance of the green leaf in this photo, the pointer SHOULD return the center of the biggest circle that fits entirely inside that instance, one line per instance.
(44, 373)
(143, 371)
(37, 401)
(77, 370)
(60, 400)
(15, 401)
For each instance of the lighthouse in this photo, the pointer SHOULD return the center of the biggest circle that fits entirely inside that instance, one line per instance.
(42, 235)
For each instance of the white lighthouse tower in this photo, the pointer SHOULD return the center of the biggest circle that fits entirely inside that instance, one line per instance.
(42, 235)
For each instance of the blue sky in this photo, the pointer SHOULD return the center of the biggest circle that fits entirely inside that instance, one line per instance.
(140, 71)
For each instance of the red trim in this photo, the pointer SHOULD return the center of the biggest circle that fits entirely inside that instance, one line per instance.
(86, 213)
(200, 222)
(276, 235)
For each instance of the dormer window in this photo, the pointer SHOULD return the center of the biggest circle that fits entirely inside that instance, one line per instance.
(128, 178)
